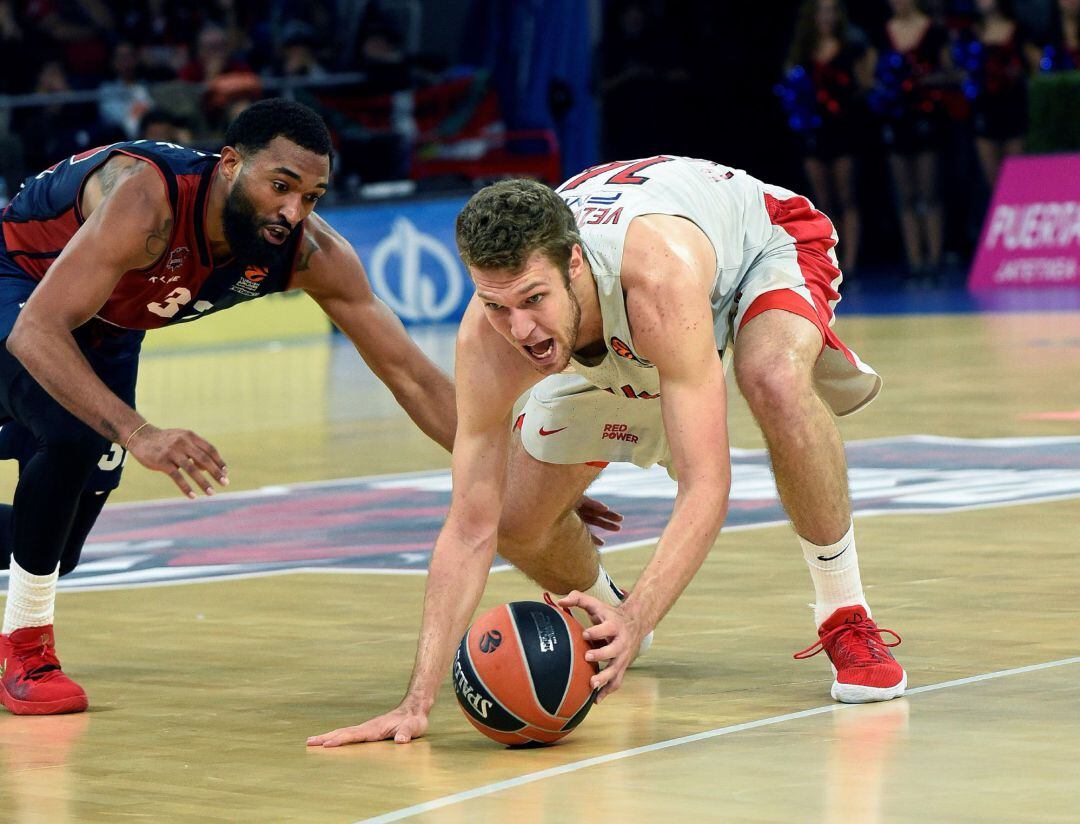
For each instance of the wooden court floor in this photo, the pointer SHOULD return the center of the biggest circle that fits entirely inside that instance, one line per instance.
(202, 694)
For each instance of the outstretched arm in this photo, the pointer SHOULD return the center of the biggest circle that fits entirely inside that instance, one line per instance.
(668, 268)
(490, 376)
(330, 271)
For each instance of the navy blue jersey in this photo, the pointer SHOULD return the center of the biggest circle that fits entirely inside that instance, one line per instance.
(184, 283)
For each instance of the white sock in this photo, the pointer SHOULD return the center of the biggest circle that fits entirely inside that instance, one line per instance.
(30, 599)
(835, 572)
(604, 589)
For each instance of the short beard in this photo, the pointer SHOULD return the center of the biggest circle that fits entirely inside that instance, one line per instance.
(242, 232)
(573, 328)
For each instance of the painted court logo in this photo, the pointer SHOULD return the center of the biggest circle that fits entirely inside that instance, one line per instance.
(390, 523)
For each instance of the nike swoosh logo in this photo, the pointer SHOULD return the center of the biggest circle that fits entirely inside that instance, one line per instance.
(545, 432)
(831, 557)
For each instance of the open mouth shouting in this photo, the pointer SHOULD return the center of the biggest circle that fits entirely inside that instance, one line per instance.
(541, 353)
(275, 234)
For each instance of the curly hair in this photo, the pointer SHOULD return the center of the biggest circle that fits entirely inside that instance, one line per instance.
(503, 224)
(261, 122)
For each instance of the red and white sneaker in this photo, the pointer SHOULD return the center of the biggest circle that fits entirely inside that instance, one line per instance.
(31, 681)
(865, 670)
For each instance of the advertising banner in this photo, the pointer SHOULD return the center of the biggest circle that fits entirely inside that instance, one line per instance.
(411, 259)
(1031, 235)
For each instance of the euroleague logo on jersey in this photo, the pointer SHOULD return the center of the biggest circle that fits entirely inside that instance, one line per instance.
(624, 351)
(248, 285)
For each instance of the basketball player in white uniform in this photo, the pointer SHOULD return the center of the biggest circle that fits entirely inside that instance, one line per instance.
(608, 306)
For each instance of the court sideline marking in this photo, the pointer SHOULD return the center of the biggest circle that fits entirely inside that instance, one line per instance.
(528, 778)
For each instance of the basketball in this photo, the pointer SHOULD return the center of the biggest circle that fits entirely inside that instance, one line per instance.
(520, 673)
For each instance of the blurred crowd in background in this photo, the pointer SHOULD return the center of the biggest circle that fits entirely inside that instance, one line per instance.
(893, 115)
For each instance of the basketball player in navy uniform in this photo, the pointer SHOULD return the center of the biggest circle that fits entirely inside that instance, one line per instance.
(639, 275)
(132, 237)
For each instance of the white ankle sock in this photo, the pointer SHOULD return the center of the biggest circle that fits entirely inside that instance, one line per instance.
(835, 573)
(604, 589)
(30, 599)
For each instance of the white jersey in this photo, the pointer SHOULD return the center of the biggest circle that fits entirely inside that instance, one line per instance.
(727, 204)
(774, 250)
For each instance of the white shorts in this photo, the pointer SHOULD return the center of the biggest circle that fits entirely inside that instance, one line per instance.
(567, 420)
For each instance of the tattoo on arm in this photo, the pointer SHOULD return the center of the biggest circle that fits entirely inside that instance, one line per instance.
(109, 175)
(303, 263)
(158, 241)
(109, 431)
(112, 173)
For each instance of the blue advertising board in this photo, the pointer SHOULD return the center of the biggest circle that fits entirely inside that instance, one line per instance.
(411, 259)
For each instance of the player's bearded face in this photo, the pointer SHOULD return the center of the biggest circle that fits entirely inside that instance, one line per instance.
(545, 332)
(243, 230)
(568, 339)
(552, 341)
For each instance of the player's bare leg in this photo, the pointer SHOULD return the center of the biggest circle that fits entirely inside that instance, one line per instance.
(774, 355)
(903, 174)
(540, 532)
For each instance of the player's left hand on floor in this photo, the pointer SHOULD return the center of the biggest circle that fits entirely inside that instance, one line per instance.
(597, 514)
(616, 635)
(402, 724)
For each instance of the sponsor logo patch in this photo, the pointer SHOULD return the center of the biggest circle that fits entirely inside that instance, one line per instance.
(618, 432)
(177, 258)
(624, 351)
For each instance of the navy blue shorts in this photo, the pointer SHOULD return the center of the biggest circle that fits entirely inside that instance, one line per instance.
(113, 354)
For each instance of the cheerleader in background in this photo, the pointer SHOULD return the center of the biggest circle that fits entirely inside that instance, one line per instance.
(829, 67)
(910, 98)
(1060, 49)
(996, 83)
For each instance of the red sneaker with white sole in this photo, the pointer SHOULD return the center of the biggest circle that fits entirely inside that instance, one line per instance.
(31, 681)
(865, 669)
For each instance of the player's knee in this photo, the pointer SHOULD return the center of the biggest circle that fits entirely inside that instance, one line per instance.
(773, 383)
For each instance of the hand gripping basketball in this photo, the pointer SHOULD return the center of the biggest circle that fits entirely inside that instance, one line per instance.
(616, 636)
(520, 673)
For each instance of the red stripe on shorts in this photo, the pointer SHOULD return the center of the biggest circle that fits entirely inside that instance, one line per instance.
(812, 232)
